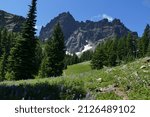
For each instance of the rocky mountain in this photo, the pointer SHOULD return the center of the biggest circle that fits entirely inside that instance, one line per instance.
(10, 21)
(81, 36)
(68, 25)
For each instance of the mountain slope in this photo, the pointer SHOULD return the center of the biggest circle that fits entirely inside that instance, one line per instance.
(10, 21)
(128, 81)
(80, 34)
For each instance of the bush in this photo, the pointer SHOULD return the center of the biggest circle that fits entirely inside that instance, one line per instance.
(41, 91)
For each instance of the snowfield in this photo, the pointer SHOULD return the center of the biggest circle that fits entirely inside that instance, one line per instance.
(86, 48)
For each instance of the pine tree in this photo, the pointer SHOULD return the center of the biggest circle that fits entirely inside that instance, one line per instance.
(38, 56)
(144, 42)
(0, 42)
(148, 50)
(99, 58)
(112, 54)
(3, 66)
(71, 59)
(6, 45)
(74, 59)
(54, 54)
(86, 56)
(122, 49)
(22, 57)
(131, 47)
(4, 39)
(140, 48)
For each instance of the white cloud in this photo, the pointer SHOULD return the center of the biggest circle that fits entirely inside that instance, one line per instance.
(104, 16)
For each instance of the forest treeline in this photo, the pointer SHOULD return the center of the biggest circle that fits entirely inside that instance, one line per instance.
(121, 50)
(23, 56)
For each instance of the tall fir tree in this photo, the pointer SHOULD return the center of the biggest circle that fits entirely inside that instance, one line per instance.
(148, 50)
(54, 54)
(112, 53)
(71, 59)
(3, 66)
(144, 42)
(86, 56)
(99, 58)
(0, 43)
(22, 57)
(38, 56)
(6, 43)
(122, 50)
(131, 47)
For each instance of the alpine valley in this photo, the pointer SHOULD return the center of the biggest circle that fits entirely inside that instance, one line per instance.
(38, 68)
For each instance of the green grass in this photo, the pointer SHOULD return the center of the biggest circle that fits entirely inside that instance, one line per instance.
(78, 68)
(81, 82)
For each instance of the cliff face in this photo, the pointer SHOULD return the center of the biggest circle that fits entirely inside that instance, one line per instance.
(67, 22)
(10, 21)
(91, 33)
(79, 35)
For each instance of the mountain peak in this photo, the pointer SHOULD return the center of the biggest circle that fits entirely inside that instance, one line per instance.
(117, 21)
(67, 23)
(65, 16)
(79, 34)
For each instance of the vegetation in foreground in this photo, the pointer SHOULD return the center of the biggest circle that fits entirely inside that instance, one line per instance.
(128, 81)
(21, 56)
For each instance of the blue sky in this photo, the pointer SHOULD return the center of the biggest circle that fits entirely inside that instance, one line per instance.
(135, 14)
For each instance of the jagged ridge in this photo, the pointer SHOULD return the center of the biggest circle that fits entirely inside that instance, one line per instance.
(10, 21)
(79, 34)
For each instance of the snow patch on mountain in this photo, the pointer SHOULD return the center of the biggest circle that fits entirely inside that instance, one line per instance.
(86, 48)
(68, 53)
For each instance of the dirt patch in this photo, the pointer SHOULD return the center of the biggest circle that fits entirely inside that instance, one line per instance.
(115, 89)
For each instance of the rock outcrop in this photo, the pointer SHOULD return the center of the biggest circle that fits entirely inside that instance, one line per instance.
(10, 21)
(80, 34)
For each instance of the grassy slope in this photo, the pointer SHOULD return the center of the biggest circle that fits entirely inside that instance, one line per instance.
(121, 82)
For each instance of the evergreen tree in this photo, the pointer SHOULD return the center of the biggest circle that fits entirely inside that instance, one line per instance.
(144, 42)
(112, 59)
(122, 49)
(22, 57)
(3, 66)
(71, 59)
(38, 56)
(6, 44)
(131, 47)
(140, 48)
(0, 42)
(67, 60)
(99, 58)
(54, 54)
(86, 56)
(112, 55)
(74, 59)
(4, 40)
(148, 50)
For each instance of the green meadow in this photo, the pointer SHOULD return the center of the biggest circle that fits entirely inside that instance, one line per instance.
(129, 81)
